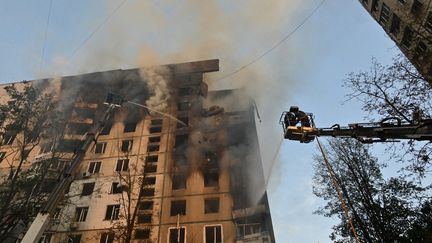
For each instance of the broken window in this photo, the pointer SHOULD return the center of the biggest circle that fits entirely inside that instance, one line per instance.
(74, 238)
(152, 148)
(100, 148)
(213, 234)
(395, 25)
(185, 91)
(107, 238)
(129, 127)
(211, 205)
(385, 14)
(183, 106)
(407, 38)
(155, 129)
(8, 139)
(179, 181)
(156, 122)
(142, 234)
(116, 188)
(144, 218)
(152, 158)
(416, 7)
(2, 155)
(149, 181)
(177, 235)
(211, 179)
(112, 212)
(106, 129)
(81, 214)
(178, 207)
(375, 5)
(150, 168)
(126, 145)
(87, 189)
(94, 167)
(146, 205)
(147, 192)
(184, 122)
(122, 165)
(154, 139)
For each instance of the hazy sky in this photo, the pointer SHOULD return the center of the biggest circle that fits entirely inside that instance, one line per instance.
(306, 70)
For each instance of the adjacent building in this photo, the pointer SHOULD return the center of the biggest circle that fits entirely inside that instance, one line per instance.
(409, 25)
(185, 167)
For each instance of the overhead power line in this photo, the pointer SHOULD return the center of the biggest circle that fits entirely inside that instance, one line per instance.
(45, 36)
(276, 45)
(96, 29)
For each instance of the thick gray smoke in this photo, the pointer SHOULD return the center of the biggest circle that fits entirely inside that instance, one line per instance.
(157, 79)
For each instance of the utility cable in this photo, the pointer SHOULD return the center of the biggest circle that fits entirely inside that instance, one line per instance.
(286, 37)
(338, 190)
(45, 36)
(96, 29)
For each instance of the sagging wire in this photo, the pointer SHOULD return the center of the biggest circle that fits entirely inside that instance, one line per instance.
(338, 190)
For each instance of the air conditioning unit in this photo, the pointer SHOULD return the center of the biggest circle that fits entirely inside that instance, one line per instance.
(74, 225)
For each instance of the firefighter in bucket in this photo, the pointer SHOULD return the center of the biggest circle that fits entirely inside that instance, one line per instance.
(297, 125)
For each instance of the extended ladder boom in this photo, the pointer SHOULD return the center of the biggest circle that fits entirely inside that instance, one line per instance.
(42, 220)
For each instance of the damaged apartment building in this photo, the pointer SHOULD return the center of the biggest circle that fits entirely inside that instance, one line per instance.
(183, 167)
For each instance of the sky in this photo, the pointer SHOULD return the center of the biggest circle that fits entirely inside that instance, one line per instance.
(306, 70)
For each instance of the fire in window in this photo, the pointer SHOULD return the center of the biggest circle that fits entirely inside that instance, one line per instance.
(177, 235)
(142, 234)
(94, 167)
(116, 188)
(122, 165)
(87, 189)
(100, 148)
(81, 214)
(129, 127)
(107, 238)
(112, 212)
(146, 205)
(8, 139)
(178, 207)
(152, 148)
(213, 234)
(126, 146)
(74, 239)
(211, 205)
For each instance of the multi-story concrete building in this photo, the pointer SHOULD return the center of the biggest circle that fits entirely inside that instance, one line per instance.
(409, 25)
(184, 168)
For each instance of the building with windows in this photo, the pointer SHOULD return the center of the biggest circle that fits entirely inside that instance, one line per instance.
(409, 25)
(185, 167)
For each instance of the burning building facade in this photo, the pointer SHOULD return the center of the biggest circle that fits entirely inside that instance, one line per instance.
(409, 24)
(184, 167)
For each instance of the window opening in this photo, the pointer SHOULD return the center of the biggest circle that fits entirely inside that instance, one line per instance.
(150, 168)
(129, 127)
(116, 188)
(107, 238)
(154, 139)
(179, 181)
(152, 158)
(94, 167)
(147, 192)
(385, 14)
(149, 181)
(81, 214)
(100, 148)
(153, 148)
(87, 189)
(142, 234)
(146, 205)
(106, 129)
(112, 212)
(178, 207)
(144, 218)
(122, 165)
(156, 122)
(155, 129)
(407, 38)
(213, 234)
(126, 145)
(177, 235)
(74, 239)
(8, 139)
(211, 205)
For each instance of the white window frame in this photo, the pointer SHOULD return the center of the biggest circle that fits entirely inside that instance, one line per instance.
(175, 228)
(81, 213)
(116, 208)
(104, 146)
(94, 168)
(122, 165)
(212, 225)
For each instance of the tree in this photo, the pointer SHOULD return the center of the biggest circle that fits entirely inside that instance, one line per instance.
(396, 90)
(382, 210)
(27, 117)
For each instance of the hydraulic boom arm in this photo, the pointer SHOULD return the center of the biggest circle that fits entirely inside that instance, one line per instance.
(299, 125)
